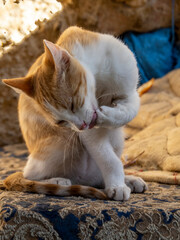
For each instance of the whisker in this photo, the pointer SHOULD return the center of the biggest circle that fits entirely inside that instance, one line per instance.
(106, 72)
(72, 151)
(68, 142)
(103, 95)
(81, 142)
(77, 148)
(107, 94)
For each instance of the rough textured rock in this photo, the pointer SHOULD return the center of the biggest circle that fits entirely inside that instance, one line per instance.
(16, 63)
(19, 20)
(109, 16)
(156, 141)
(118, 16)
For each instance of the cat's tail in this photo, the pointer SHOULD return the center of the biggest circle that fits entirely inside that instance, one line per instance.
(17, 182)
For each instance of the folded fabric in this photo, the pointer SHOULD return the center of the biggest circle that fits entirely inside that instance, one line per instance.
(166, 177)
(153, 137)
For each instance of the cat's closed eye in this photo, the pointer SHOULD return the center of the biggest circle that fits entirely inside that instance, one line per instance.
(61, 123)
(72, 107)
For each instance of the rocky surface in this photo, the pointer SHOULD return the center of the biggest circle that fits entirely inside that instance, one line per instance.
(13, 159)
(15, 63)
(20, 18)
(119, 16)
(111, 16)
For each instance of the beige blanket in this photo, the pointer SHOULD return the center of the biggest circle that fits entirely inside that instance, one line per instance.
(153, 137)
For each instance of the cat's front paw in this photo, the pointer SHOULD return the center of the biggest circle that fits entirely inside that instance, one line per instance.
(136, 184)
(119, 193)
(104, 117)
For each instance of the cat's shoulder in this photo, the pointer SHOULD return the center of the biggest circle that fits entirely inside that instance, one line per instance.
(74, 38)
(75, 34)
(85, 37)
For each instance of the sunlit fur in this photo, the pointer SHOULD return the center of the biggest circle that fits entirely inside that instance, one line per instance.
(85, 80)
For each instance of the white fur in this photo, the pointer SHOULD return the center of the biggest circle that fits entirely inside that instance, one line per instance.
(109, 65)
(114, 66)
(36, 169)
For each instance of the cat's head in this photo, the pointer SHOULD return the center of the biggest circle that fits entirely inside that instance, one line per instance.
(62, 87)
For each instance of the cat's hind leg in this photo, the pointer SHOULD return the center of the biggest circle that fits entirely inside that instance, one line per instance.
(136, 184)
(49, 170)
(48, 160)
(38, 169)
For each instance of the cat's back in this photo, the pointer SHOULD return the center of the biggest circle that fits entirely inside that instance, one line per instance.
(84, 44)
(76, 35)
(108, 58)
(100, 52)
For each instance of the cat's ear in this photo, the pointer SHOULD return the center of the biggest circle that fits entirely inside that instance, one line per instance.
(24, 84)
(56, 56)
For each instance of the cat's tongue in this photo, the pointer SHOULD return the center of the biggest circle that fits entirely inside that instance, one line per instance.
(83, 126)
(93, 121)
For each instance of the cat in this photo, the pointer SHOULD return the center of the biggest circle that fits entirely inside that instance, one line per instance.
(73, 104)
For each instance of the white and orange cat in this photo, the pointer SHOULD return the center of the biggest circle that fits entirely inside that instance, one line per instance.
(73, 103)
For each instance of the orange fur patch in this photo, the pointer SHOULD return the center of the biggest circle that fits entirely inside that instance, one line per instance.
(75, 34)
(25, 84)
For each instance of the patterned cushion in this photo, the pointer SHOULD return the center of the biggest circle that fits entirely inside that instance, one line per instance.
(152, 215)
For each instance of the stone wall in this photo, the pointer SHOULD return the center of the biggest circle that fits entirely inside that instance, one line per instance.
(108, 16)
(118, 16)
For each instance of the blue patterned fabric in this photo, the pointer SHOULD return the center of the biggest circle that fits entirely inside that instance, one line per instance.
(152, 215)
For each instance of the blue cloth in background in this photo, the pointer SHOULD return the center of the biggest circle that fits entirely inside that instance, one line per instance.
(155, 53)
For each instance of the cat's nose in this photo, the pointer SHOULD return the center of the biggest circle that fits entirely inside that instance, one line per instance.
(83, 126)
